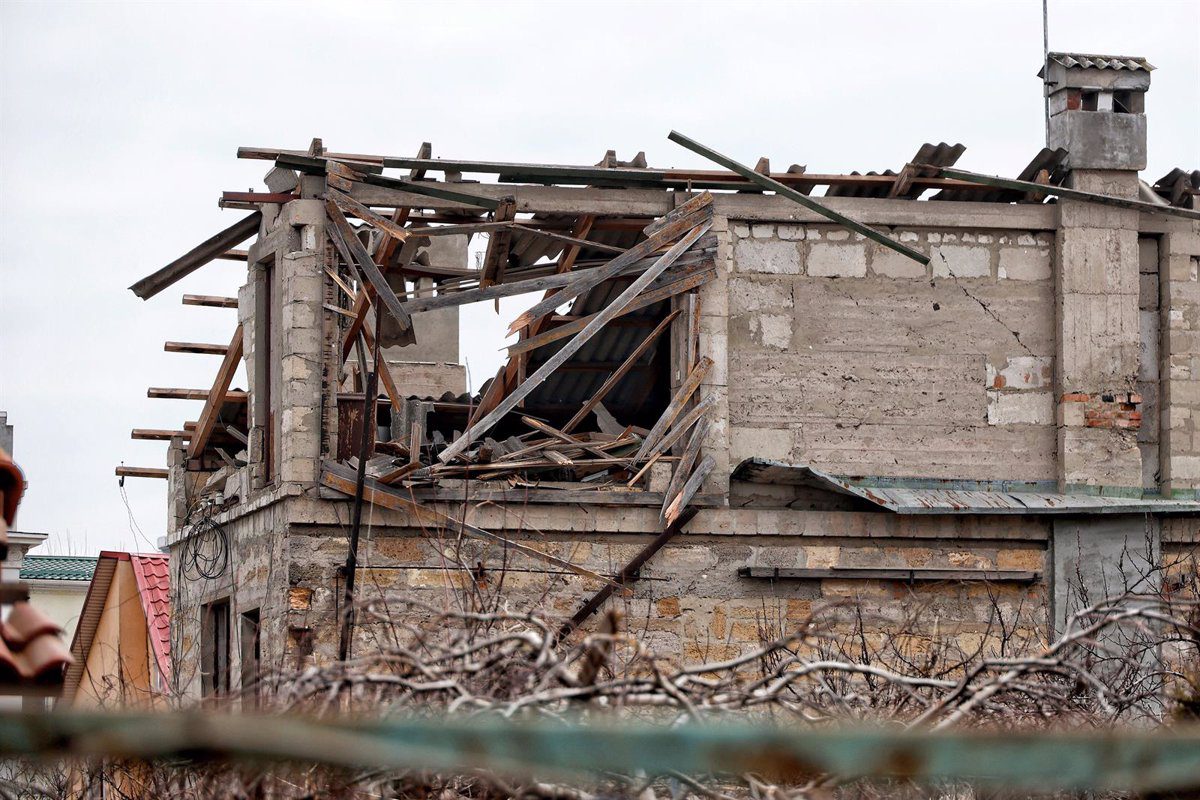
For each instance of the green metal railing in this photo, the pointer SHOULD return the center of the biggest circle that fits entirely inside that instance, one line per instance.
(1115, 760)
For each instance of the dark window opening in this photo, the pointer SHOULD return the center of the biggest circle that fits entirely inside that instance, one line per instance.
(1129, 102)
(251, 655)
(214, 649)
(1089, 100)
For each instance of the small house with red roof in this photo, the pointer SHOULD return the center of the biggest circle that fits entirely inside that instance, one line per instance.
(122, 643)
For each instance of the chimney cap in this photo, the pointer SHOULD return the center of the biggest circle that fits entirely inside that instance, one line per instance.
(1091, 61)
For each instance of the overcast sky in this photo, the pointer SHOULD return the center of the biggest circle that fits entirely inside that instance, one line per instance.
(120, 122)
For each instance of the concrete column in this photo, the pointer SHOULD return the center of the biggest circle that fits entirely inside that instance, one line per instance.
(1179, 446)
(714, 343)
(1098, 339)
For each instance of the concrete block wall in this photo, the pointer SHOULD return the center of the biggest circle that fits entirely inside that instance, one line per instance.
(853, 358)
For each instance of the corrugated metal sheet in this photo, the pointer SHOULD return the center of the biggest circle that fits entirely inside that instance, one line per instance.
(1050, 160)
(941, 155)
(902, 500)
(1090, 61)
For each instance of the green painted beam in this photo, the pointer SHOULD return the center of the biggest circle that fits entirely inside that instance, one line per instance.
(1041, 761)
(773, 185)
(1063, 191)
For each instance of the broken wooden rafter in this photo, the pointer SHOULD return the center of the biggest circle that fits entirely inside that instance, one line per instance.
(349, 205)
(684, 467)
(201, 348)
(767, 182)
(629, 574)
(197, 257)
(157, 434)
(257, 197)
(1066, 193)
(141, 472)
(355, 254)
(235, 255)
(619, 373)
(217, 396)
(570, 348)
(675, 509)
(669, 289)
(495, 258)
(338, 477)
(174, 393)
(209, 301)
(544, 282)
(430, 189)
(675, 407)
(674, 225)
(569, 240)
(661, 448)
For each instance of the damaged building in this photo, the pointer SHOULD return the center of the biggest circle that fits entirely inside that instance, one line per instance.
(740, 392)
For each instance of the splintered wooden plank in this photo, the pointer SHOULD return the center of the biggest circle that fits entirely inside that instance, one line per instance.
(340, 478)
(197, 257)
(217, 396)
(157, 434)
(202, 348)
(684, 467)
(570, 348)
(141, 472)
(679, 222)
(571, 240)
(767, 182)
(209, 301)
(351, 206)
(675, 407)
(642, 301)
(349, 244)
(619, 373)
(495, 260)
(689, 489)
(655, 453)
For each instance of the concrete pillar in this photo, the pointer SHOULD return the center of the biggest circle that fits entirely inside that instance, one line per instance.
(429, 367)
(1179, 371)
(1098, 339)
(714, 343)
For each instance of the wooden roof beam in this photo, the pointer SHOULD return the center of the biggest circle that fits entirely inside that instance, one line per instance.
(209, 301)
(197, 257)
(201, 348)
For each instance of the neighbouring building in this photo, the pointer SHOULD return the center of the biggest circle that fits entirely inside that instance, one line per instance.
(58, 586)
(121, 643)
(737, 404)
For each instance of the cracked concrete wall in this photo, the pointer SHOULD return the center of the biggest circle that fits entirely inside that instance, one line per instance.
(851, 357)
(1098, 339)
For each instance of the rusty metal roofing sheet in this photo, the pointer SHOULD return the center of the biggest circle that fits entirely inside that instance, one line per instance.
(903, 500)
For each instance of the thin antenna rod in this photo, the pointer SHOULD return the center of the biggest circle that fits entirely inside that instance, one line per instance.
(1046, 65)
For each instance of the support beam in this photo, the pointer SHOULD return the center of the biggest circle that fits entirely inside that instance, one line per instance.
(791, 194)
(201, 348)
(628, 575)
(141, 472)
(174, 393)
(217, 396)
(197, 257)
(209, 301)
(157, 434)
(352, 250)
(1063, 191)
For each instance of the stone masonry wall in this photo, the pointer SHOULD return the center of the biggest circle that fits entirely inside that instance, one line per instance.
(690, 604)
(855, 359)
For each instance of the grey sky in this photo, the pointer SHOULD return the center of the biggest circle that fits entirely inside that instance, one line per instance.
(119, 125)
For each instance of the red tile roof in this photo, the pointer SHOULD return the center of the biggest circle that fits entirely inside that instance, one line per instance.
(30, 649)
(153, 575)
